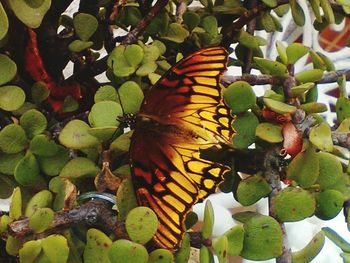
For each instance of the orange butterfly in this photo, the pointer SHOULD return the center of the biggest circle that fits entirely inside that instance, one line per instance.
(183, 113)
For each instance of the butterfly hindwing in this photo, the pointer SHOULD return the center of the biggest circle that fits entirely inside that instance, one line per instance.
(182, 114)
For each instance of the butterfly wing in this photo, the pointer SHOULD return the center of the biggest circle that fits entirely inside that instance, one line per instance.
(187, 114)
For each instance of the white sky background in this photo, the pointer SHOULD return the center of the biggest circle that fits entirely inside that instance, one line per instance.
(300, 233)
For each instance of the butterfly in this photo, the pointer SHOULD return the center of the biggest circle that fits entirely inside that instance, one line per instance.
(181, 114)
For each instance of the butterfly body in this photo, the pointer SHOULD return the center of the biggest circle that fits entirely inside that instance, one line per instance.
(181, 115)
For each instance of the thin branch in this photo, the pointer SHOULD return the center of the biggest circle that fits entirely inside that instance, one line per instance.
(265, 79)
(272, 164)
(341, 139)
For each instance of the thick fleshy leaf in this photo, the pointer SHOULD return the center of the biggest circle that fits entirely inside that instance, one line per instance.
(30, 16)
(27, 170)
(85, 25)
(220, 246)
(97, 246)
(79, 45)
(7, 185)
(183, 254)
(52, 165)
(329, 204)
(39, 200)
(321, 137)
(106, 92)
(105, 113)
(12, 139)
(270, 67)
(278, 106)
(41, 219)
(331, 170)
(126, 199)
(39, 92)
(141, 224)
(262, 238)
(75, 135)
(33, 122)
(208, 220)
(311, 75)
(133, 54)
(131, 96)
(311, 250)
(8, 162)
(42, 145)
(8, 68)
(30, 251)
(79, 167)
(176, 33)
(4, 22)
(244, 125)
(295, 51)
(239, 96)
(15, 211)
(337, 239)
(235, 238)
(287, 204)
(123, 251)
(269, 132)
(56, 247)
(191, 20)
(304, 168)
(297, 13)
(160, 256)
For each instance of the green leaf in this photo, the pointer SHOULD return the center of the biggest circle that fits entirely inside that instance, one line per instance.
(30, 16)
(299, 91)
(205, 255)
(39, 200)
(79, 45)
(8, 69)
(27, 170)
(146, 69)
(106, 92)
(252, 189)
(314, 107)
(75, 135)
(42, 145)
(30, 251)
(176, 33)
(133, 54)
(11, 98)
(123, 251)
(267, 66)
(220, 246)
(97, 246)
(304, 168)
(191, 19)
(210, 25)
(331, 170)
(183, 254)
(311, 75)
(41, 219)
(336, 239)
(270, 3)
(268, 22)
(131, 97)
(8, 162)
(160, 256)
(295, 51)
(126, 199)
(118, 63)
(15, 211)
(321, 137)
(244, 125)
(278, 106)
(12, 245)
(342, 107)
(141, 224)
(85, 25)
(33, 122)
(311, 250)
(52, 165)
(235, 238)
(56, 248)
(287, 204)
(327, 11)
(315, 5)
(269, 132)
(262, 238)
(251, 41)
(105, 113)
(69, 104)
(79, 167)
(39, 92)
(239, 96)
(12, 139)
(4, 22)
(329, 204)
(297, 13)
(34, 3)
(5, 220)
(208, 220)
(121, 145)
(282, 53)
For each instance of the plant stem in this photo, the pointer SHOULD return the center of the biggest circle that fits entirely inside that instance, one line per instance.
(272, 164)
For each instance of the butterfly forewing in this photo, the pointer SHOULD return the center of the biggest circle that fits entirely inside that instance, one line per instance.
(180, 115)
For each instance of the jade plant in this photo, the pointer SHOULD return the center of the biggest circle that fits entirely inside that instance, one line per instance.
(64, 148)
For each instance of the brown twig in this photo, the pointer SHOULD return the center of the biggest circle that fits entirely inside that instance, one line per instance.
(265, 79)
(341, 139)
(272, 164)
